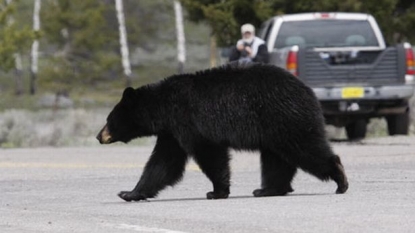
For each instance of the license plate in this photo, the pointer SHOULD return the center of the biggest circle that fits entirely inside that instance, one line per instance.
(353, 92)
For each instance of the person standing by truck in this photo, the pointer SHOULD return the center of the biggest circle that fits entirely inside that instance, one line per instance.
(250, 48)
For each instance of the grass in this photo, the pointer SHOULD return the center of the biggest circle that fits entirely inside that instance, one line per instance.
(62, 127)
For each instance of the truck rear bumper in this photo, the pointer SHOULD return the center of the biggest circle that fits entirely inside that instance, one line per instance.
(363, 109)
(370, 93)
(372, 102)
(342, 112)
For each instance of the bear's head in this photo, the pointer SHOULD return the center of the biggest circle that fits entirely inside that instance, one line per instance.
(123, 122)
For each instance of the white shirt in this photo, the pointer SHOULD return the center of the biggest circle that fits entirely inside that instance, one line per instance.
(255, 44)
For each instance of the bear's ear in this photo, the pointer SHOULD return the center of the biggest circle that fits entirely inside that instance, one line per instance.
(128, 93)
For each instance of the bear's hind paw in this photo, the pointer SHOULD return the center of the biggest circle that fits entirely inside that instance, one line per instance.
(342, 188)
(271, 192)
(131, 196)
(217, 195)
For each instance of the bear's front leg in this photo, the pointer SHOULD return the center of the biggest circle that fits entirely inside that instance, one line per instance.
(165, 167)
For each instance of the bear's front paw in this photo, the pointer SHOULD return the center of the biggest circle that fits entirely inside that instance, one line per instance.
(271, 192)
(217, 195)
(131, 196)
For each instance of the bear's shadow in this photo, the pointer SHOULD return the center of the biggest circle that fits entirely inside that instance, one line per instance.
(232, 197)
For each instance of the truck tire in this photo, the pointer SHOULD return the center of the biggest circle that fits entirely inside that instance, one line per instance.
(398, 124)
(356, 130)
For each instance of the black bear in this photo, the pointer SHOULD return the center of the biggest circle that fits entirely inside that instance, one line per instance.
(201, 115)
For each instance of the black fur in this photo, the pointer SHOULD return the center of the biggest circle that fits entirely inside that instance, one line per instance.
(255, 107)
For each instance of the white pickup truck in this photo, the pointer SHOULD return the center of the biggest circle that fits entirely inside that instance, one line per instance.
(344, 59)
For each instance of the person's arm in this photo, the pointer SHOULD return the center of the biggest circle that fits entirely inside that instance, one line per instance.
(262, 54)
(240, 45)
(234, 54)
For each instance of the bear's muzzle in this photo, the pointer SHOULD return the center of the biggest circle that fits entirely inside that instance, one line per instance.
(104, 136)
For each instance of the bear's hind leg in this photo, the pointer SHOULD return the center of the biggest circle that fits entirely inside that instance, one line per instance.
(325, 165)
(213, 160)
(276, 175)
(339, 176)
(165, 167)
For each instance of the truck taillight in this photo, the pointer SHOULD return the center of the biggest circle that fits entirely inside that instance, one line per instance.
(292, 61)
(410, 62)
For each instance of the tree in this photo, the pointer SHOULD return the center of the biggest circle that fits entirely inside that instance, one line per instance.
(405, 21)
(35, 47)
(226, 17)
(395, 17)
(123, 41)
(86, 35)
(181, 49)
(13, 38)
(14, 41)
(85, 39)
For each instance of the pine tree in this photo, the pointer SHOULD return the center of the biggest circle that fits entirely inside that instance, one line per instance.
(14, 39)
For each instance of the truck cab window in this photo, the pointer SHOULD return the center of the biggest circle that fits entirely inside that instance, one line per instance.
(326, 33)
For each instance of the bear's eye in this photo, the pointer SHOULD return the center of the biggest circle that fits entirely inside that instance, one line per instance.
(112, 126)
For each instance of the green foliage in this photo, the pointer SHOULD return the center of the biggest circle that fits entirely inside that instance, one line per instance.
(405, 20)
(86, 52)
(395, 17)
(87, 35)
(77, 22)
(14, 39)
(79, 52)
(225, 17)
(79, 41)
(148, 21)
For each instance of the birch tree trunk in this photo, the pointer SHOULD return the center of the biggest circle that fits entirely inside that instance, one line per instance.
(123, 41)
(213, 51)
(35, 48)
(181, 42)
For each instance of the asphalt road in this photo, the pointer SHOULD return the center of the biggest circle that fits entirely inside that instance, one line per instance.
(74, 190)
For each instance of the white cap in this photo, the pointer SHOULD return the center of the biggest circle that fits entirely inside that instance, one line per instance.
(247, 28)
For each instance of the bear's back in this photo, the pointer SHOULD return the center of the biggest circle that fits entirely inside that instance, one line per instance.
(255, 86)
(237, 80)
(258, 101)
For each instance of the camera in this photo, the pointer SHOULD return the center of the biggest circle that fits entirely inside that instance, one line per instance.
(244, 53)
